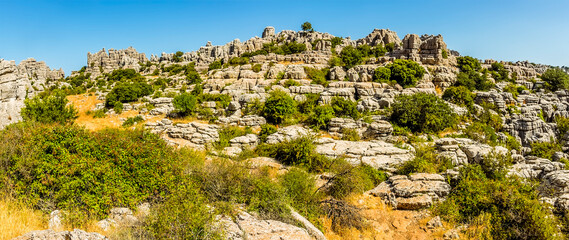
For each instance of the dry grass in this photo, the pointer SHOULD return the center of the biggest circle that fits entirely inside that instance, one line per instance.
(16, 219)
(84, 103)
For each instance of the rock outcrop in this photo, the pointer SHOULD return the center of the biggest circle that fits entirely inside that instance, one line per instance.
(18, 82)
(64, 235)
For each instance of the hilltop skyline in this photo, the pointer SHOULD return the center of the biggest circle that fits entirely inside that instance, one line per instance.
(62, 32)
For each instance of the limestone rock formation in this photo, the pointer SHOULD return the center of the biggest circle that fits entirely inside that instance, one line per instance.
(412, 192)
(103, 62)
(18, 82)
(64, 235)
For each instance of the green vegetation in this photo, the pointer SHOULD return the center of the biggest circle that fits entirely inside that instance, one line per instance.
(545, 149)
(422, 112)
(266, 130)
(321, 115)
(185, 104)
(345, 108)
(256, 68)
(127, 92)
(470, 76)
(405, 72)
(132, 120)
(49, 109)
(317, 76)
(425, 161)
(306, 26)
(460, 96)
(228, 133)
(215, 65)
(555, 79)
(514, 89)
(282, 49)
(278, 107)
(501, 207)
(351, 57)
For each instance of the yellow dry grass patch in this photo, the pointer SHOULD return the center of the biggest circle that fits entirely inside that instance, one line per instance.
(382, 222)
(84, 103)
(291, 63)
(16, 219)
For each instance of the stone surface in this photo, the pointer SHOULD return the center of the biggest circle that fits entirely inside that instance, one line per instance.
(64, 235)
(246, 226)
(412, 192)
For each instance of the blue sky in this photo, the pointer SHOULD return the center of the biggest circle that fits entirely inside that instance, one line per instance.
(62, 32)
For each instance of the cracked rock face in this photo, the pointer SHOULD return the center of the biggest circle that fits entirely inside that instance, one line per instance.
(412, 192)
(18, 82)
(64, 235)
(249, 227)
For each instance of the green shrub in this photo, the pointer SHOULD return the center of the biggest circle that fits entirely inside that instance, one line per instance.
(406, 72)
(278, 107)
(459, 95)
(499, 73)
(349, 134)
(545, 149)
(317, 76)
(256, 68)
(301, 189)
(177, 57)
(481, 132)
(49, 109)
(514, 89)
(125, 75)
(118, 107)
(238, 61)
(132, 120)
(73, 169)
(426, 161)
(350, 179)
(562, 125)
(307, 106)
(266, 130)
(215, 65)
(221, 100)
(351, 57)
(336, 41)
(444, 53)
(321, 116)
(184, 215)
(127, 92)
(345, 108)
(291, 48)
(289, 82)
(511, 207)
(468, 64)
(422, 112)
(185, 104)
(101, 113)
(382, 74)
(228, 133)
(298, 152)
(555, 79)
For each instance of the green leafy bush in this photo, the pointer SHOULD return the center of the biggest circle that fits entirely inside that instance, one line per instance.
(127, 92)
(350, 179)
(266, 130)
(73, 169)
(317, 76)
(345, 108)
(499, 72)
(349, 134)
(426, 160)
(555, 79)
(562, 126)
(228, 133)
(459, 95)
(382, 74)
(256, 68)
(508, 207)
(545, 149)
(321, 116)
(184, 215)
(118, 107)
(125, 75)
(514, 89)
(132, 120)
(406, 72)
(468, 64)
(297, 152)
(49, 109)
(278, 107)
(422, 112)
(185, 104)
(215, 65)
(289, 82)
(351, 57)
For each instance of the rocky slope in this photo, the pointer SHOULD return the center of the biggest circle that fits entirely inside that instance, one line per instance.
(529, 116)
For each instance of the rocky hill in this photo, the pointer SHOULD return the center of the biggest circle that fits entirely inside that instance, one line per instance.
(428, 126)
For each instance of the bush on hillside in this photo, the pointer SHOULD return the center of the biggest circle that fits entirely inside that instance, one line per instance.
(278, 107)
(72, 169)
(459, 95)
(351, 57)
(556, 79)
(49, 109)
(127, 92)
(185, 104)
(422, 112)
(406, 72)
(321, 116)
(345, 108)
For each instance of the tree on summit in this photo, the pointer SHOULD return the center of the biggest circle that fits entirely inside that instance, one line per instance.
(306, 26)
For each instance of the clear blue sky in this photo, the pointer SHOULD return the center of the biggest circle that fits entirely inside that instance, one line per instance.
(62, 32)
